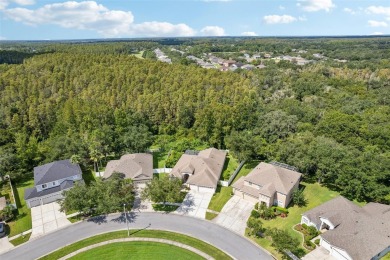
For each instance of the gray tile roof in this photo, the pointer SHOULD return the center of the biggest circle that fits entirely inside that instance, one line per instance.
(55, 171)
(138, 166)
(30, 193)
(282, 179)
(205, 168)
(361, 232)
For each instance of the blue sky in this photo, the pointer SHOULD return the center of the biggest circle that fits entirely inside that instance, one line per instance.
(59, 19)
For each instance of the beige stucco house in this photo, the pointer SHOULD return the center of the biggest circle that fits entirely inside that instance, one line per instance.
(268, 183)
(354, 232)
(137, 166)
(200, 172)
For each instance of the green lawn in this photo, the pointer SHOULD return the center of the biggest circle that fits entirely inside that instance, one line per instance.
(159, 159)
(20, 240)
(315, 194)
(230, 166)
(220, 197)
(386, 257)
(210, 215)
(139, 55)
(22, 221)
(248, 166)
(89, 176)
(198, 244)
(137, 250)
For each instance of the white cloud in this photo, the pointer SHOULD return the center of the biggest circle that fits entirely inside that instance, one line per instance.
(89, 15)
(5, 3)
(378, 10)
(2, 38)
(249, 34)
(373, 23)
(349, 10)
(302, 18)
(316, 5)
(277, 19)
(213, 31)
(162, 29)
(377, 33)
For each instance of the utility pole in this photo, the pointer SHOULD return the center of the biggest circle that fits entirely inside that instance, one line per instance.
(127, 223)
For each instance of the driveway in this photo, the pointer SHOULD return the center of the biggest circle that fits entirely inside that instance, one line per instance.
(141, 205)
(235, 214)
(195, 204)
(320, 253)
(232, 243)
(5, 245)
(47, 218)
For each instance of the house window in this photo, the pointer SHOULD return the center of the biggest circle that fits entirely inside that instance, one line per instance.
(44, 186)
(280, 202)
(54, 183)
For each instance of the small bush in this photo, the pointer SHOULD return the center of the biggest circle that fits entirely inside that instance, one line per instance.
(312, 231)
(257, 206)
(317, 241)
(255, 214)
(281, 210)
(304, 226)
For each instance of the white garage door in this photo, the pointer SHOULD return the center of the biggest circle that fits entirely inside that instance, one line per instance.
(207, 190)
(325, 244)
(250, 198)
(34, 203)
(51, 198)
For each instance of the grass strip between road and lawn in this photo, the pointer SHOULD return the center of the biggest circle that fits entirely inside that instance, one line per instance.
(137, 250)
(20, 240)
(184, 239)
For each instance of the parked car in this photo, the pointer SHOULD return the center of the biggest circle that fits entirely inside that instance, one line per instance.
(2, 229)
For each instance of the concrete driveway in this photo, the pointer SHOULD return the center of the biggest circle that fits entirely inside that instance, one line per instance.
(195, 204)
(319, 253)
(235, 214)
(47, 218)
(139, 204)
(5, 245)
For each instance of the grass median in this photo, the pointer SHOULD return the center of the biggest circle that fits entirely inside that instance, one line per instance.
(198, 244)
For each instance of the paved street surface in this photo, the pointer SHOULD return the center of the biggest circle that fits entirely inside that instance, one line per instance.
(195, 204)
(5, 245)
(47, 218)
(319, 253)
(231, 243)
(235, 214)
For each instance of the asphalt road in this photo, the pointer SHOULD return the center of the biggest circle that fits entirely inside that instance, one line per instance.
(228, 241)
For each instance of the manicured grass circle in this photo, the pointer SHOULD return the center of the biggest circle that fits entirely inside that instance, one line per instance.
(137, 250)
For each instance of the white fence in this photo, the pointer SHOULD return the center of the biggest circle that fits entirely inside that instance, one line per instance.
(162, 170)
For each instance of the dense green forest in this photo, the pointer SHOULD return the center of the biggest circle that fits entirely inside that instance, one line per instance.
(94, 100)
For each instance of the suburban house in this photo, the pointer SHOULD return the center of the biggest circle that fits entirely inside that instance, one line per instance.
(351, 231)
(271, 183)
(200, 172)
(137, 166)
(50, 180)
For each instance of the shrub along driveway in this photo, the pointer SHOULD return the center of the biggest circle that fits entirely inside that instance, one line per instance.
(235, 214)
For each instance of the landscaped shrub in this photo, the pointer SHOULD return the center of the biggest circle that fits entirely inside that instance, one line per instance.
(281, 210)
(257, 206)
(255, 214)
(304, 226)
(312, 231)
(317, 241)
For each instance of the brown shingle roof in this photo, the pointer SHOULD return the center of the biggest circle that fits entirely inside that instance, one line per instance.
(204, 169)
(138, 166)
(282, 179)
(361, 232)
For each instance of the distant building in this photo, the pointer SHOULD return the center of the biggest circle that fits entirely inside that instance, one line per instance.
(353, 232)
(200, 172)
(137, 167)
(50, 180)
(272, 184)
